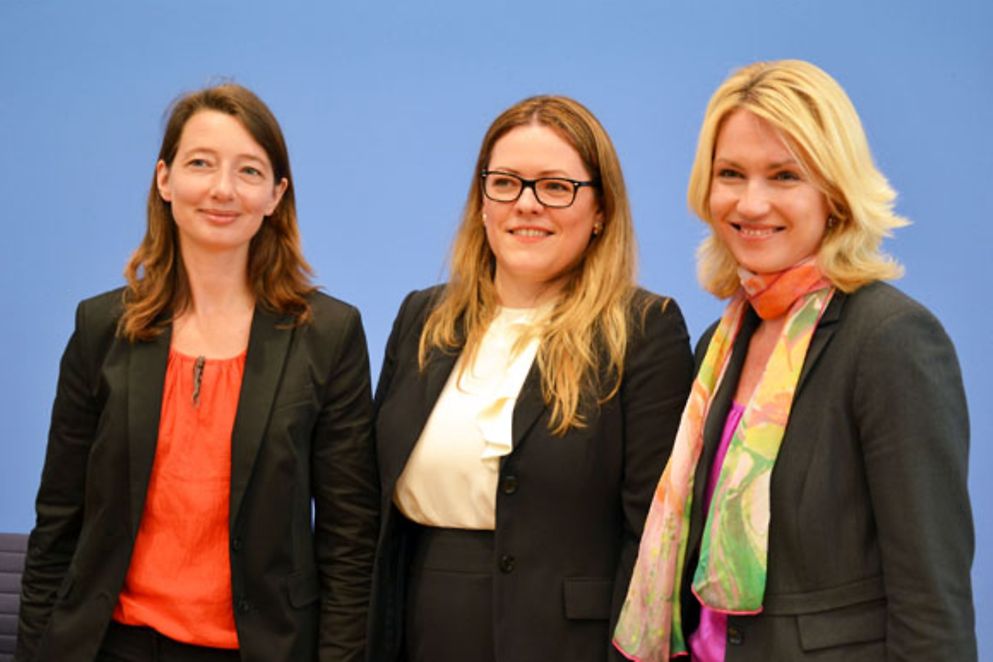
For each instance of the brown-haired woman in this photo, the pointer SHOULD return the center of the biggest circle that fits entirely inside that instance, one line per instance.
(202, 412)
(524, 410)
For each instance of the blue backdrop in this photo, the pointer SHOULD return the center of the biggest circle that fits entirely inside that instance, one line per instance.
(384, 105)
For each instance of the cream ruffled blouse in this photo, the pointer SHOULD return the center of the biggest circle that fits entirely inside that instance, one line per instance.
(450, 479)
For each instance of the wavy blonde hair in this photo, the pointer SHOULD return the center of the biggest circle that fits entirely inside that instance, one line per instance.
(157, 286)
(822, 128)
(584, 339)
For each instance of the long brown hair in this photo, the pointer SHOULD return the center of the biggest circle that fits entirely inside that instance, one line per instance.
(157, 285)
(585, 337)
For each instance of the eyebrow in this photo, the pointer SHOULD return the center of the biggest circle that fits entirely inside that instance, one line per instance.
(208, 150)
(544, 174)
(772, 166)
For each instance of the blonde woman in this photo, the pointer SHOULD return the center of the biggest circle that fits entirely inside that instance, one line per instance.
(525, 410)
(815, 504)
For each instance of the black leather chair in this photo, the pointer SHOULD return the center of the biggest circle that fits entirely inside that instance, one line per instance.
(12, 549)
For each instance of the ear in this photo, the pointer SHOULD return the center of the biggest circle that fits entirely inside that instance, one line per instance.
(162, 180)
(277, 195)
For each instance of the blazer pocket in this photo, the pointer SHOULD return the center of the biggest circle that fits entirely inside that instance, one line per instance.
(303, 588)
(856, 624)
(587, 598)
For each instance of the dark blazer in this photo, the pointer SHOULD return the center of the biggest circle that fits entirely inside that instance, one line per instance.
(569, 510)
(301, 436)
(870, 539)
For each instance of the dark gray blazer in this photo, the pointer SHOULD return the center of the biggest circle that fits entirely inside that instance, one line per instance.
(301, 436)
(871, 539)
(569, 509)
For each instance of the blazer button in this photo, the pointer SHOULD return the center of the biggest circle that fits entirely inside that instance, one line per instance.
(506, 563)
(243, 605)
(736, 636)
(509, 484)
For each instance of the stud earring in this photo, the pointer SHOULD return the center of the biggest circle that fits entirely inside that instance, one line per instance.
(831, 222)
(597, 229)
(484, 218)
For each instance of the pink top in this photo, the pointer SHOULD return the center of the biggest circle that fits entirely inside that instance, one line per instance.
(707, 643)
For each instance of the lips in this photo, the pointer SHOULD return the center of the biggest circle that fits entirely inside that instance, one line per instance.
(756, 231)
(219, 215)
(530, 232)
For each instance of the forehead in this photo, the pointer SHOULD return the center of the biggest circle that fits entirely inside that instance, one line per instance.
(220, 132)
(742, 132)
(536, 147)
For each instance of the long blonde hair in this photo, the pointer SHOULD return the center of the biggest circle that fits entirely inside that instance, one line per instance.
(279, 276)
(584, 339)
(822, 128)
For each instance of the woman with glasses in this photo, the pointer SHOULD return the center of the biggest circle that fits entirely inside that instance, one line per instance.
(815, 504)
(524, 410)
(209, 490)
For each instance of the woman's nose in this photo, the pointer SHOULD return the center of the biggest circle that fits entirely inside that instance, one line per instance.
(754, 199)
(222, 187)
(528, 200)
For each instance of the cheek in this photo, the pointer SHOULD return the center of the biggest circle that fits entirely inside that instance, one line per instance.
(493, 211)
(720, 202)
(259, 200)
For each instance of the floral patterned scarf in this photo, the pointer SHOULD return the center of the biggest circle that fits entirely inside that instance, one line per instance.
(731, 573)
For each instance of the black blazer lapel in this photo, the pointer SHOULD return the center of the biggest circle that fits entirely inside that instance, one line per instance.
(268, 345)
(436, 374)
(529, 406)
(146, 382)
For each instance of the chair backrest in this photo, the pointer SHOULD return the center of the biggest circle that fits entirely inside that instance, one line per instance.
(12, 549)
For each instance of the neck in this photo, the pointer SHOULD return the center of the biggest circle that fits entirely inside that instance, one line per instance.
(217, 321)
(218, 282)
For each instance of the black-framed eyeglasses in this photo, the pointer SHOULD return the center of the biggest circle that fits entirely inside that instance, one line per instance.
(557, 192)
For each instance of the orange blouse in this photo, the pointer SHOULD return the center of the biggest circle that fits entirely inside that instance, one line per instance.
(179, 580)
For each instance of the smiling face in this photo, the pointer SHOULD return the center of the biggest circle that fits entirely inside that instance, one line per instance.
(536, 246)
(220, 185)
(762, 204)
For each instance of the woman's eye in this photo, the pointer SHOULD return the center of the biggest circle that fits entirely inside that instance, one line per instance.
(198, 163)
(254, 172)
(727, 173)
(787, 176)
(502, 182)
(557, 186)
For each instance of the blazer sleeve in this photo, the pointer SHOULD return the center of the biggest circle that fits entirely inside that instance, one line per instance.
(59, 505)
(912, 421)
(346, 497)
(656, 382)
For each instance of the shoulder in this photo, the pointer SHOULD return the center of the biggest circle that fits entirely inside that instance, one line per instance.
(881, 310)
(416, 307)
(327, 308)
(656, 328)
(103, 309)
(420, 303)
(878, 301)
(335, 326)
(651, 313)
(97, 317)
